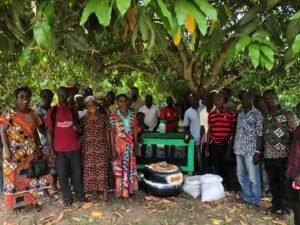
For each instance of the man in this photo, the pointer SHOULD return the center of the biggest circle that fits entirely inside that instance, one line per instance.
(221, 126)
(279, 125)
(79, 105)
(62, 127)
(170, 115)
(136, 102)
(73, 90)
(247, 145)
(293, 173)
(228, 103)
(192, 125)
(111, 97)
(151, 120)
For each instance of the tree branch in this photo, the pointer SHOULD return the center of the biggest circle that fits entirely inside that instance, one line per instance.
(231, 75)
(219, 61)
(128, 66)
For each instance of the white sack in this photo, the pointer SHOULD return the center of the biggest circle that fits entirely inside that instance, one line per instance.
(192, 186)
(212, 188)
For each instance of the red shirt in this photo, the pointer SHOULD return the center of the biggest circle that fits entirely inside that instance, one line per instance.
(221, 124)
(65, 138)
(171, 116)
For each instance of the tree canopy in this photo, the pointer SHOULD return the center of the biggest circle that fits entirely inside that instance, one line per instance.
(168, 44)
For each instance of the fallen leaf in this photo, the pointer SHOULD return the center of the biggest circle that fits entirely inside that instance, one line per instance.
(96, 214)
(279, 222)
(165, 201)
(119, 215)
(129, 210)
(267, 217)
(76, 219)
(228, 219)
(243, 217)
(161, 211)
(152, 211)
(242, 222)
(46, 218)
(59, 218)
(216, 221)
(87, 205)
(123, 207)
(207, 206)
(233, 209)
(266, 199)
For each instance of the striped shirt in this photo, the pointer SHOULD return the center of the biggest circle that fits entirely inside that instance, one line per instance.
(221, 124)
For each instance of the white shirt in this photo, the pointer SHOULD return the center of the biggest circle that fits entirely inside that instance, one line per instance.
(151, 116)
(192, 120)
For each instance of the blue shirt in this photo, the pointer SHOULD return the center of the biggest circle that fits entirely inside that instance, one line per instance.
(249, 127)
(192, 120)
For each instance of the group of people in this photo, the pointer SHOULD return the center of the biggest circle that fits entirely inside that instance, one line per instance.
(83, 137)
(78, 149)
(242, 143)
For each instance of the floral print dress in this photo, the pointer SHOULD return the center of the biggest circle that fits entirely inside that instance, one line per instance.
(125, 165)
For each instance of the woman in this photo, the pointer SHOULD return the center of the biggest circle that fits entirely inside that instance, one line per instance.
(20, 146)
(123, 140)
(47, 97)
(95, 130)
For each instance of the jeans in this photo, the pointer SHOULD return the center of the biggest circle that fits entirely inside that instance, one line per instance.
(277, 181)
(68, 164)
(249, 178)
(154, 151)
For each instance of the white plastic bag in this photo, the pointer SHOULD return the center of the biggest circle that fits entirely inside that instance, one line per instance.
(192, 186)
(211, 187)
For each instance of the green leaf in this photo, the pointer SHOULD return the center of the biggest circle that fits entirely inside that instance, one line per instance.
(143, 25)
(103, 12)
(243, 42)
(254, 53)
(49, 12)
(296, 44)
(42, 34)
(146, 2)
(207, 9)
(268, 52)
(260, 34)
(165, 11)
(199, 17)
(88, 10)
(250, 15)
(296, 16)
(268, 64)
(291, 31)
(134, 36)
(123, 5)
(25, 54)
(151, 40)
(181, 11)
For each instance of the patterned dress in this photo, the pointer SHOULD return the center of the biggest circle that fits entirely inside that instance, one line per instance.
(94, 150)
(125, 164)
(18, 189)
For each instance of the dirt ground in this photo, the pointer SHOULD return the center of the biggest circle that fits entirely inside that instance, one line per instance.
(143, 209)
